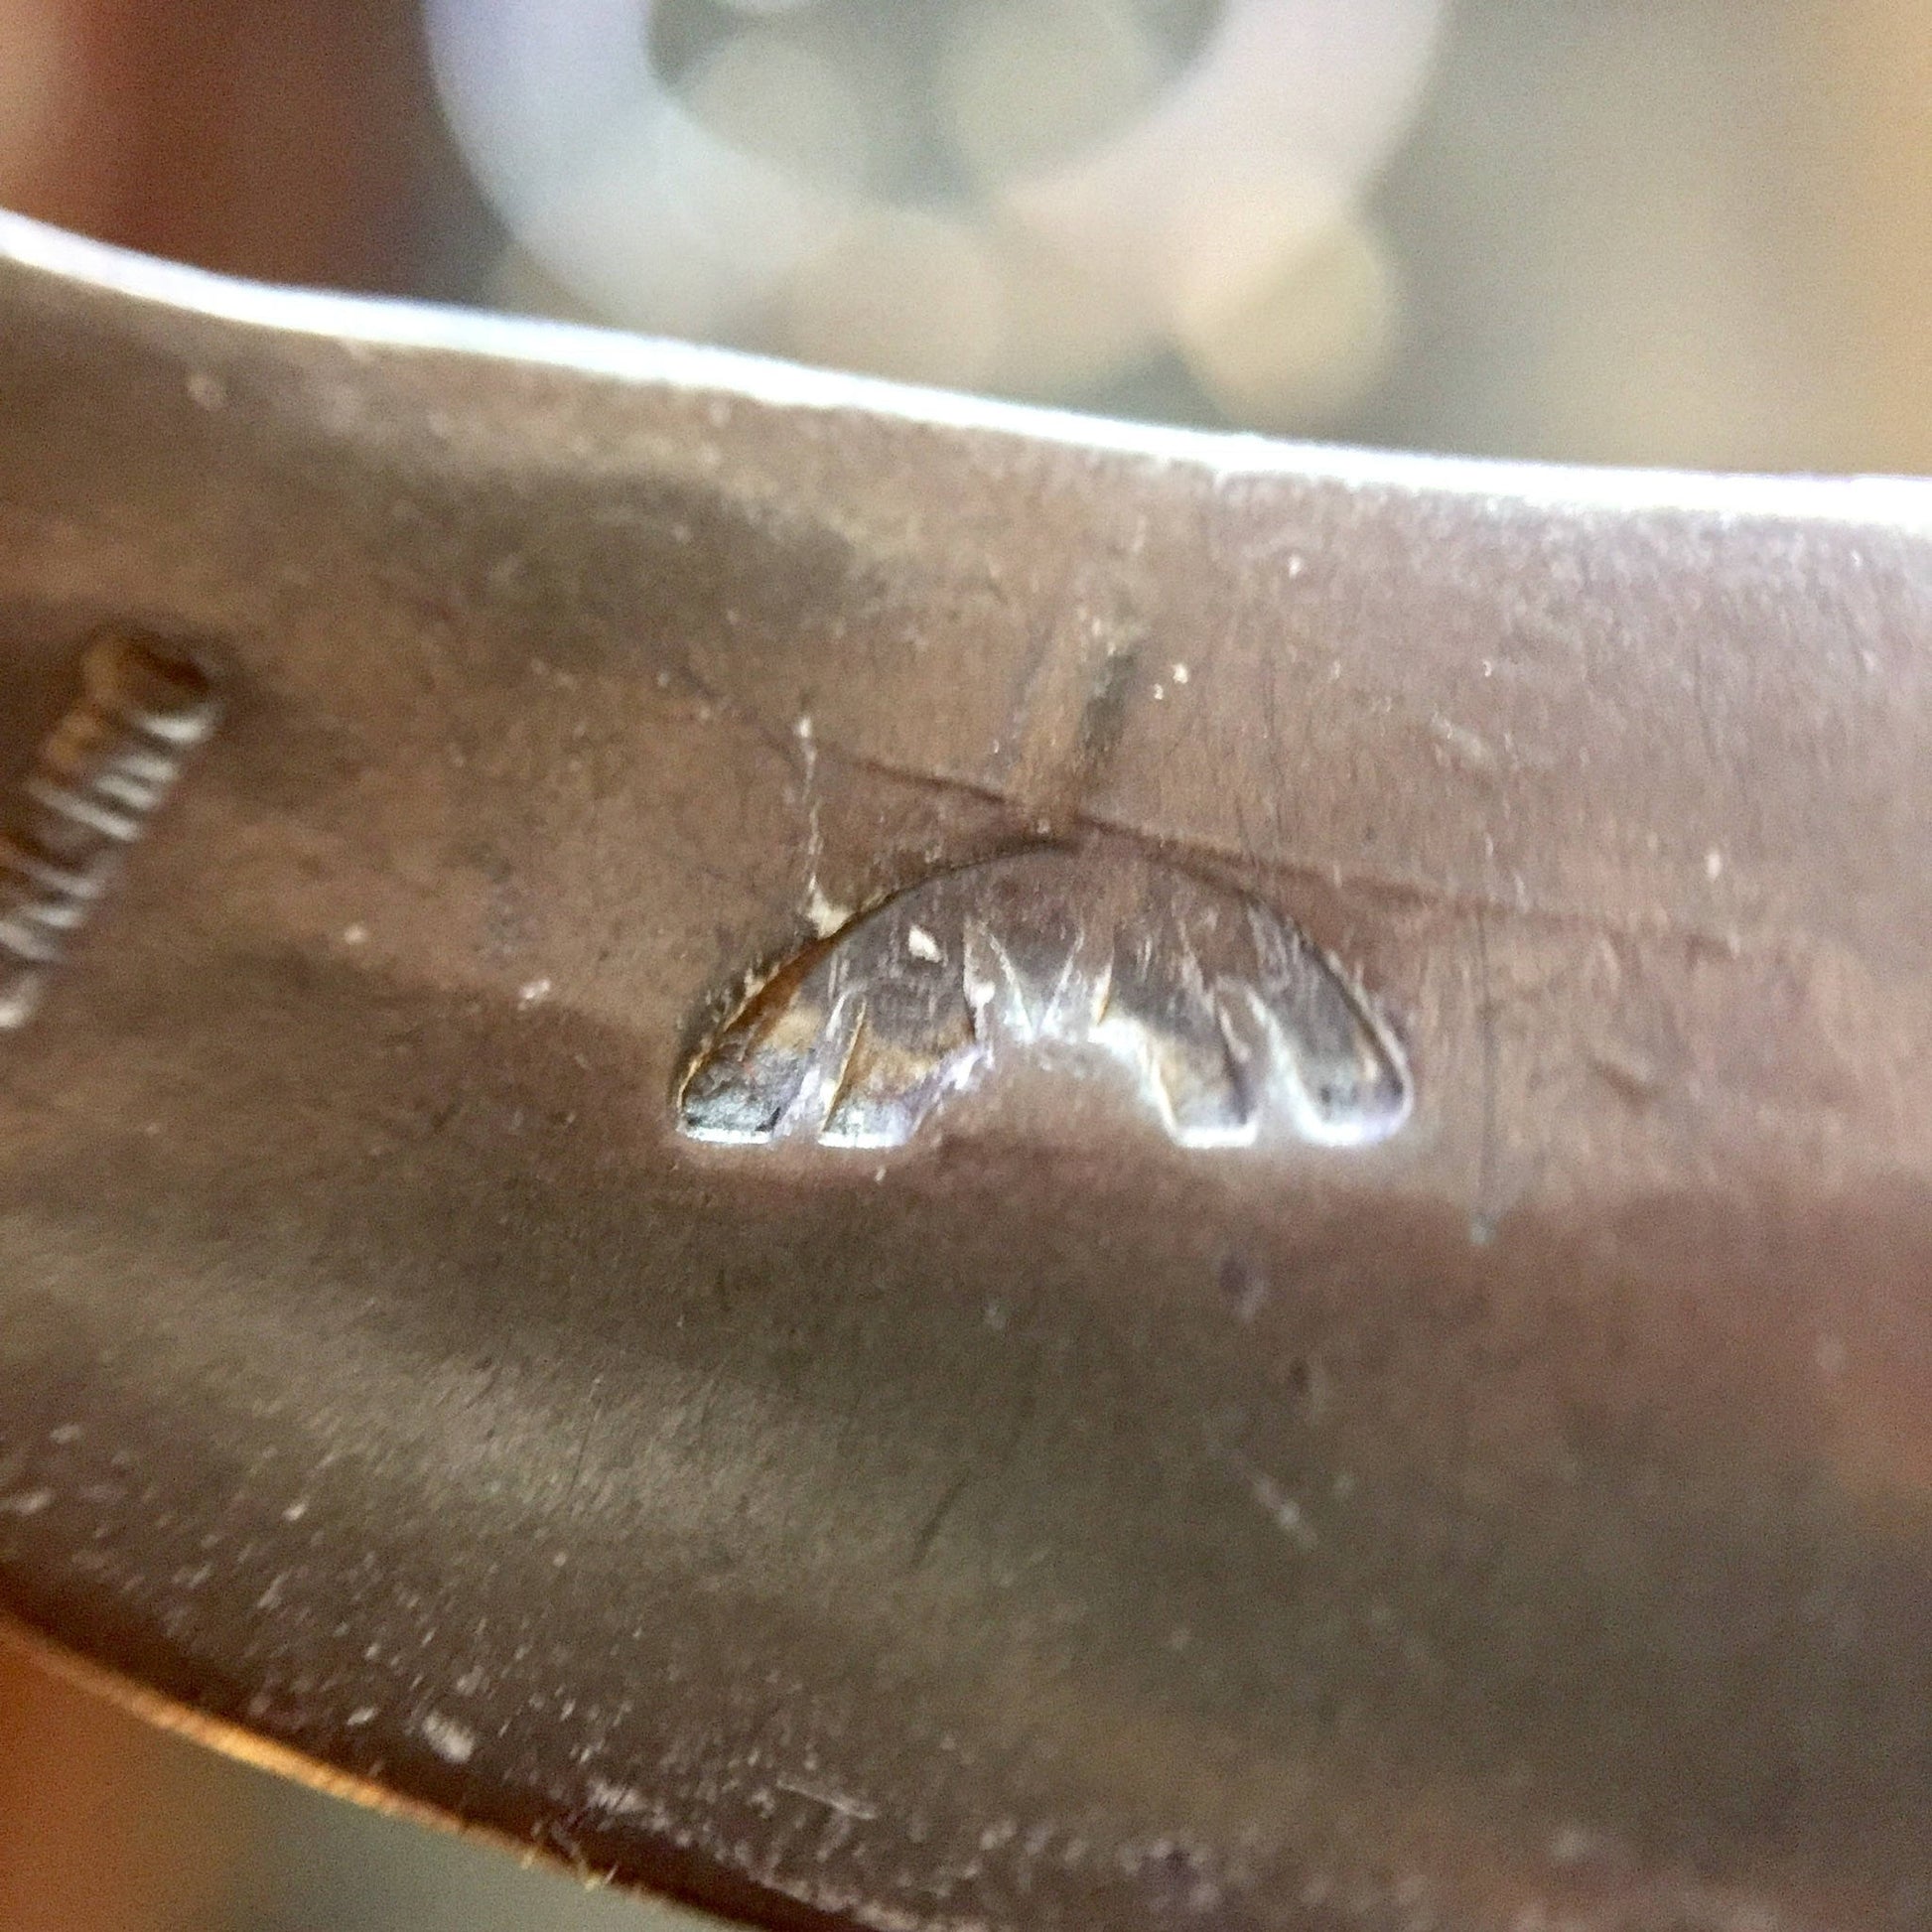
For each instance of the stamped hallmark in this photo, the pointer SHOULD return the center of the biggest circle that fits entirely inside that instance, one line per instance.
(1226, 1020)
(103, 772)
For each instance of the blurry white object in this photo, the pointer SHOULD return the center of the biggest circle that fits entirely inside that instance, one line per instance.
(1107, 198)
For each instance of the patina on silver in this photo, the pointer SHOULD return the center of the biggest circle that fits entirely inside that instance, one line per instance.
(1523, 1517)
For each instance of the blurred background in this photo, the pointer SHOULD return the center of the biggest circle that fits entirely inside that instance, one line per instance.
(1652, 231)
(1682, 232)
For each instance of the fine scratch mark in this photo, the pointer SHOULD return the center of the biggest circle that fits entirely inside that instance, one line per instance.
(826, 914)
(1283, 865)
(1074, 711)
(928, 1532)
(1483, 1224)
(575, 1484)
(854, 1807)
(1274, 1501)
(1024, 1414)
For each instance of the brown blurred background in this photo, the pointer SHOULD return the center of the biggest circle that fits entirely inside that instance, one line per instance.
(1670, 231)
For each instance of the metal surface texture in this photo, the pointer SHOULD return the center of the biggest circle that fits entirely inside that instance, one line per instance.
(1025, 1512)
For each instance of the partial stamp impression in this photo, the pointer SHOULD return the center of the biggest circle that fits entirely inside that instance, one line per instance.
(1225, 1019)
(103, 772)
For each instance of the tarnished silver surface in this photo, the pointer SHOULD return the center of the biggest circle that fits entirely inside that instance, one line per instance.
(1051, 1518)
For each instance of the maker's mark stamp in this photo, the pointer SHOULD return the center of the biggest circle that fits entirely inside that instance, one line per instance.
(1231, 1025)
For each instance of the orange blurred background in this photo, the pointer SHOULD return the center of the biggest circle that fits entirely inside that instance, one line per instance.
(283, 139)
